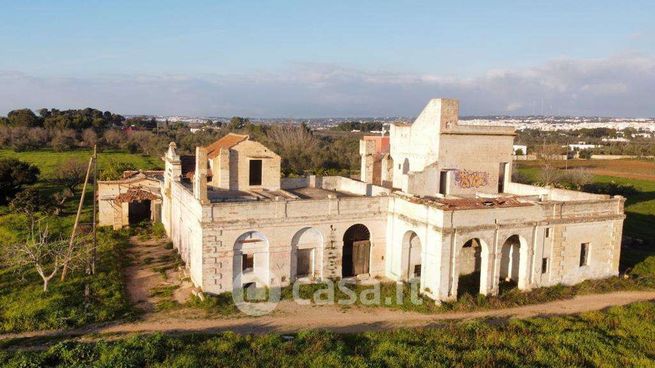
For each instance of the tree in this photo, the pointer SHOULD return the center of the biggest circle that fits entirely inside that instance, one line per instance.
(547, 156)
(579, 177)
(114, 138)
(89, 137)
(71, 173)
(296, 145)
(237, 123)
(14, 174)
(39, 251)
(64, 140)
(24, 117)
(28, 202)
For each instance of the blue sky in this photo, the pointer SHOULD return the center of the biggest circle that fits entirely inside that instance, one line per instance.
(329, 58)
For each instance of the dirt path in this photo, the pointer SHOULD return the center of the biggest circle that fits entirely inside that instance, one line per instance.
(291, 317)
(153, 274)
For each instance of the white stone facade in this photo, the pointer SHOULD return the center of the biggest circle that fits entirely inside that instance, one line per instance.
(436, 204)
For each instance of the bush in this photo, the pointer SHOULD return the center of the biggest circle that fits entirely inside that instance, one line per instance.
(610, 188)
(158, 230)
(14, 175)
(585, 154)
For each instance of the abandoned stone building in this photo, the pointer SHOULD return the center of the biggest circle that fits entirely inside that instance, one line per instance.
(435, 203)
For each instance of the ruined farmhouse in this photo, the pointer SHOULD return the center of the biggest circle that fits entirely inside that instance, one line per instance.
(435, 203)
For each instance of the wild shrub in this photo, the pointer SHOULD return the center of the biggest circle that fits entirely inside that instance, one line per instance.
(610, 188)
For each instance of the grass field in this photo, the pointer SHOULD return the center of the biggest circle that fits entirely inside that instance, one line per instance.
(23, 305)
(617, 337)
(48, 161)
(629, 168)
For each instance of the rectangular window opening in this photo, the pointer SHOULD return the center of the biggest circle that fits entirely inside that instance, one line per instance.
(417, 270)
(544, 265)
(443, 183)
(304, 265)
(255, 177)
(247, 262)
(584, 254)
(547, 232)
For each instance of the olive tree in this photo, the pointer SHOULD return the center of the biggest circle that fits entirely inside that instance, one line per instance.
(45, 255)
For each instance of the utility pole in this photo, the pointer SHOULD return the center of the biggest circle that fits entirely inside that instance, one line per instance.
(94, 252)
(69, 252)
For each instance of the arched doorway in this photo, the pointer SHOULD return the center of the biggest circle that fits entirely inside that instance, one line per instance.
(510, 259)
(411, 256)
(306, 253)
(250, 263)
(470, 268)
(356, 251)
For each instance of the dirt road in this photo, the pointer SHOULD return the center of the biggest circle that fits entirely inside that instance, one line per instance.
(153, 268)
(291, 317)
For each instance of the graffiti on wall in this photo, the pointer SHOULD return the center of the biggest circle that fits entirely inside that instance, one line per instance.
(471, 179)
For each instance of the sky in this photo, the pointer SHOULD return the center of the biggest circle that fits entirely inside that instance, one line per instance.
(329, 58)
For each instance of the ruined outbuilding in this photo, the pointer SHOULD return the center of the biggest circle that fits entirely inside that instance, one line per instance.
(435, 203)
(130, 200)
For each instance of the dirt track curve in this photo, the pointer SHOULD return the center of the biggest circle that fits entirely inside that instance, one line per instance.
(291, 317)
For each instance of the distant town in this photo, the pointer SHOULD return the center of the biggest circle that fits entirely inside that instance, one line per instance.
(544, 123)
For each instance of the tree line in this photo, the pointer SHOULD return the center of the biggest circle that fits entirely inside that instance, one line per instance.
(302, 150)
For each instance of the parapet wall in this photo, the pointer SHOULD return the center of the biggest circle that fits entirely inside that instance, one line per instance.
(274, 210)
(337, 183)
(341, 184)
(553, 194)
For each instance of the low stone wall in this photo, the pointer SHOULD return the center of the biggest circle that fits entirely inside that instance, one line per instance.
(341, 184)
(294, 183)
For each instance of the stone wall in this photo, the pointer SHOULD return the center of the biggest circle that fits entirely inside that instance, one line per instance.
(545, 230)
(280, 222)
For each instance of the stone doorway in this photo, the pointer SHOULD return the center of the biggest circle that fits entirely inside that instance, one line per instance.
(470, 268)
(356, 251)
(139, 211)
(509, 263)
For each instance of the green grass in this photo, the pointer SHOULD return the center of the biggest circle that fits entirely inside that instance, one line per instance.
(618, 336)
(48, 161)
(25, 307)
(639, 210)
(642, 278)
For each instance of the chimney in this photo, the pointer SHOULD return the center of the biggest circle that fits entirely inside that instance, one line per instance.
(200, 176)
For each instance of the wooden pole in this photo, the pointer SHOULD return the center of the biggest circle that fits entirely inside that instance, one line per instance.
(95, 203)
(69, 252)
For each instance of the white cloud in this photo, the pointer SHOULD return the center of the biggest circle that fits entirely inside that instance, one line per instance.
(619, 86)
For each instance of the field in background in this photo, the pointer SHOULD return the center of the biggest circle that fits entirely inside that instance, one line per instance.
(639, 207)
(48, 161)
(631, 169)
